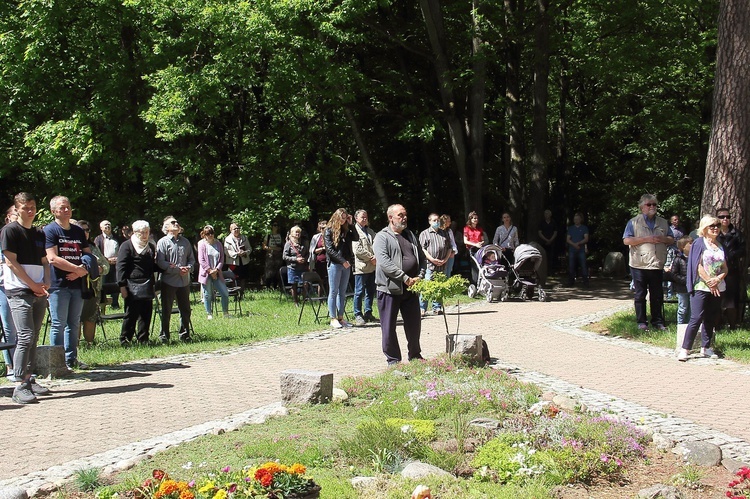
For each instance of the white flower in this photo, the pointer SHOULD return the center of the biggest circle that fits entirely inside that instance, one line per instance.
(187, 465)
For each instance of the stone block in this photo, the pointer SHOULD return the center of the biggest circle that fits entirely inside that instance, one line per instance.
(700, 453)
(464, 344)
(614, 265)
(300, 387)
(13, 493)
(50, 361)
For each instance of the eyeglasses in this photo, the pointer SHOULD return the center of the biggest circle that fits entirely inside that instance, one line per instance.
(714, 226)
(650, 204)
(173, 222)
(722, 217)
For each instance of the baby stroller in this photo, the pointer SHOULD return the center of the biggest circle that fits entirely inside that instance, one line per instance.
(492, 281)
(523, 273)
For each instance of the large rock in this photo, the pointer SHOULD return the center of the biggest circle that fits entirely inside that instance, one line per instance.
(614, 265)
(13, 493)
(50, 361)
(660, 491)
(700, 453)
(299, 387)
(417, 470)
(464, 344)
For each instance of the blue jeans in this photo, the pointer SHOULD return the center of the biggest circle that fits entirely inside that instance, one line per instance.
(8, 328)
(423, 303)
(449, 266)
(577, 257)
(208, 294)
(28, 316)
(683, 308)
(65, 305)
(338, 280)
(364, 286)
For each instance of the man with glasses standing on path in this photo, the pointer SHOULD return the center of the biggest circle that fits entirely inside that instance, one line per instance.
(174, 256)
(648, 236)
(734, 254)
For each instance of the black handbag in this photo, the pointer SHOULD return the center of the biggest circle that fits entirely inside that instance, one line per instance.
(141, 289)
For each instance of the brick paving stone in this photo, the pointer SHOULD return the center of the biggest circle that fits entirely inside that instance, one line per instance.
(111, 418)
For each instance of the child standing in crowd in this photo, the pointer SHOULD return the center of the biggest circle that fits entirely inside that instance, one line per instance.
(677, 274)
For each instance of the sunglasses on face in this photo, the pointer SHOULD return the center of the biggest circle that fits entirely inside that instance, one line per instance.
(173, 222)
(714, 226)
(723, 217)
(650, 204)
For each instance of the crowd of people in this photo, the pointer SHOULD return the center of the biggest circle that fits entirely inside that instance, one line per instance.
(62, 268)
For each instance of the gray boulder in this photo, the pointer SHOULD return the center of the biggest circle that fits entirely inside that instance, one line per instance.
(13, 493)
(700, 453)
(614, 265)
(418, 470)
(660, 491)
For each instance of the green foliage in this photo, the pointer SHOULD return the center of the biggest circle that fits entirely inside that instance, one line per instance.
(88, 480)
(439, 288)
(423, 429)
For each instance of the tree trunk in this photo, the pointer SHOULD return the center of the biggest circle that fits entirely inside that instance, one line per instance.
(434, 22)
(364, 153)
(727, 168)
(540, 156)
(476, 107)
(514, 168)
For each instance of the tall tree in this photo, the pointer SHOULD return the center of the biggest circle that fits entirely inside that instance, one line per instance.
(728, 163)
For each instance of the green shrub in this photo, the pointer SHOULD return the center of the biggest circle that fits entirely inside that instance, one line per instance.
(422, 429)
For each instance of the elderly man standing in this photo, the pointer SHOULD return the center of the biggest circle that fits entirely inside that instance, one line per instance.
(65, 245)
(400, 264)
(174, 256)
(364, 269)
(648, 236)
(108, 245)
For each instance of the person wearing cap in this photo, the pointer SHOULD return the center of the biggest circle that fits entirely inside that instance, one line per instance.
(648, 236)
(174, 256)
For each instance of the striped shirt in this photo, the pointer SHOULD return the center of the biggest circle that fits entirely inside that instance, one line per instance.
(437, 244)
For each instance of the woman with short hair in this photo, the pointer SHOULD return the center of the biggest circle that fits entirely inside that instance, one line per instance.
(136, 263)
(210, 275)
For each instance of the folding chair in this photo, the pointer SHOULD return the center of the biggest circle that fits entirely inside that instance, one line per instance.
(235, 294)
(156, 317)
(286, 288)
(313, 292)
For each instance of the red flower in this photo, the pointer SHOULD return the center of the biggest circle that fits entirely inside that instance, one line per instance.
(264, 476)
(159, 474)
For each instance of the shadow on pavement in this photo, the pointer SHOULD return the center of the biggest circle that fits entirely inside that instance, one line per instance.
(62, 394)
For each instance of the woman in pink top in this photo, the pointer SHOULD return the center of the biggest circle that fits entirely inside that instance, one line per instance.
(474, 238)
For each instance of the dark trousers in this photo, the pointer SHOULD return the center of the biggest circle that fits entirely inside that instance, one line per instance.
(648, 281)
(168, 295)
(137, 312)
(389, 306)
(704, 309)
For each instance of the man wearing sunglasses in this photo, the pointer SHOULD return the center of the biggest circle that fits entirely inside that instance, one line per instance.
(734, 253)
(648, 236)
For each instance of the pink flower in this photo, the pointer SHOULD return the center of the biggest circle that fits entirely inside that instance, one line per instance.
(225, 469)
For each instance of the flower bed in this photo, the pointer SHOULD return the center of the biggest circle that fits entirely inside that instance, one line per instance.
(271, 480)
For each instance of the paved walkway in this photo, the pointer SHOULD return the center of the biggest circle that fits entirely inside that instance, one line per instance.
(113, 418)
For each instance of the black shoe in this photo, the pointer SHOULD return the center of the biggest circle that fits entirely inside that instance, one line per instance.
(79, 365)
(164, 338)
(37, 389)
(186, 338)
(371, 318)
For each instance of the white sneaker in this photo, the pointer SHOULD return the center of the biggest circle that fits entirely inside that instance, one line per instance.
(210, 317)
(335, 324)
(346, 323)
(683, 355)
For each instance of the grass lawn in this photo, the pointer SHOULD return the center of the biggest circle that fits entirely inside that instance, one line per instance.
(264, 317)
(732, 344)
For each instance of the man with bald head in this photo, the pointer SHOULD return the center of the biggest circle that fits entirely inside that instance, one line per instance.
(400, 263)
